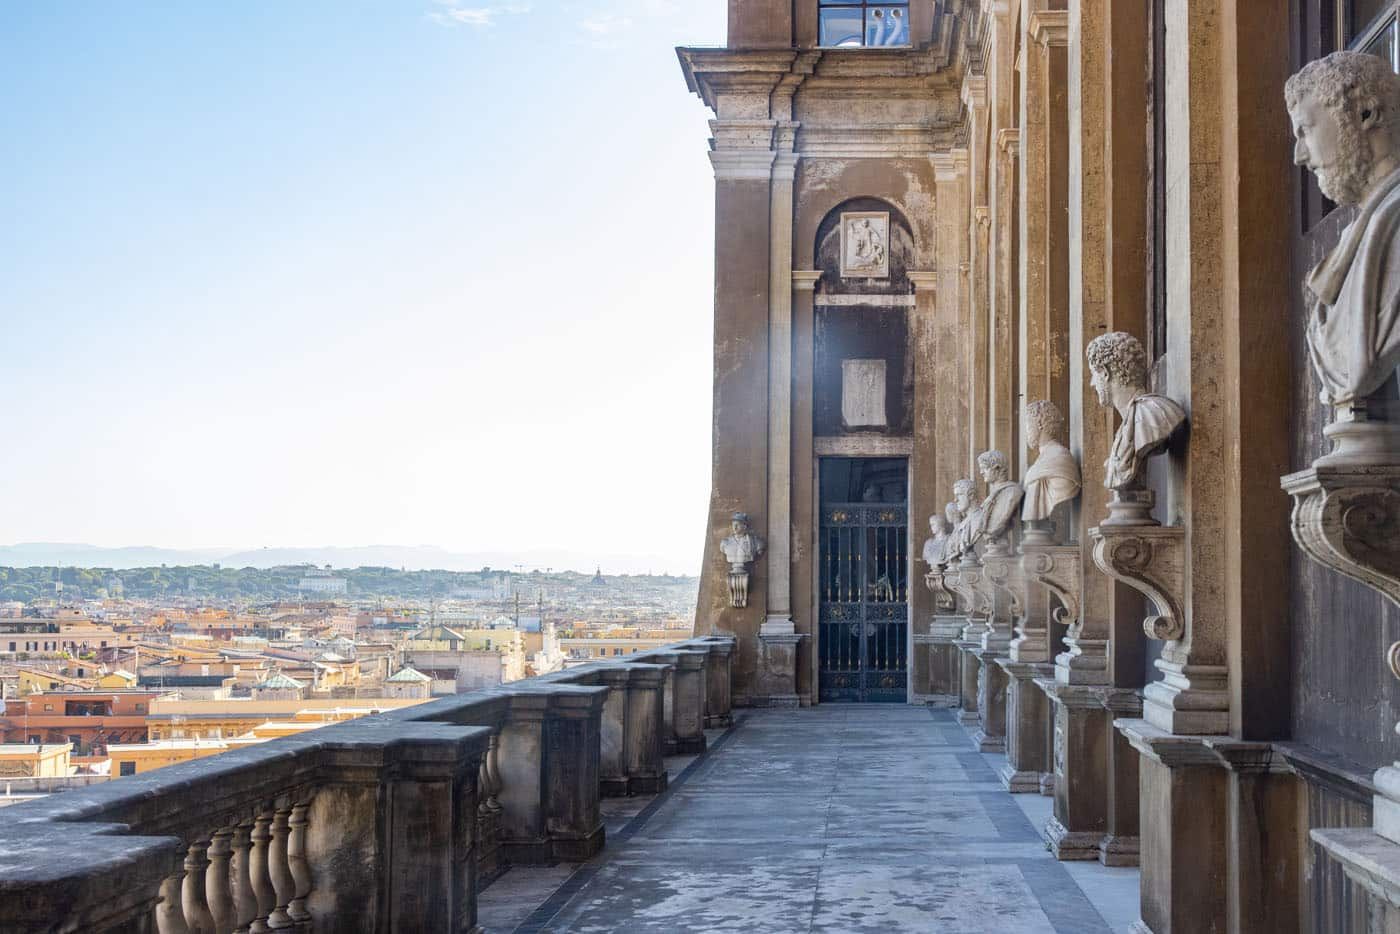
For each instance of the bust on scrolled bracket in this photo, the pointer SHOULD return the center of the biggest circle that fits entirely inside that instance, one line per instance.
(1053, 478)
(999, 510)
(934, 547)
(1345, 110)
(741, 549)
(1118, 373)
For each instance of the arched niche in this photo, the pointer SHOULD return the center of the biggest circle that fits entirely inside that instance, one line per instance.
(840, 235)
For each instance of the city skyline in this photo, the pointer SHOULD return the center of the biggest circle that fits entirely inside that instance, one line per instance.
(304, 276)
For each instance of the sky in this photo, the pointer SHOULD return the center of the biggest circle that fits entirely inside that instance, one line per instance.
(341, 272)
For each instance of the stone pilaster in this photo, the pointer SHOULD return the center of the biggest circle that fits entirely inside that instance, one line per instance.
(1028, 754)
(1082, 734)
(780, 287)
(1121, 843)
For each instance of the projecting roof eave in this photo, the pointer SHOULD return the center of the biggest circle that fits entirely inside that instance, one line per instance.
(710, 70)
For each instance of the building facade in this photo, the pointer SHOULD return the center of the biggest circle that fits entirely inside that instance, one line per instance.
(925, 213)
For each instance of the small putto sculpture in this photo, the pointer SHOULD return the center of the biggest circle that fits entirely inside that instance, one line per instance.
(1345, 110)
(1118, 373)
(1003, 503)
(1053, 478)
(741, 549)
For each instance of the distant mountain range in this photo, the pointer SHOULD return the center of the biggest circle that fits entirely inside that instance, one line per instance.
(413, 558)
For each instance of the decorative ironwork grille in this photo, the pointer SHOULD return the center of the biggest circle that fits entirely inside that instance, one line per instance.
(864, 602)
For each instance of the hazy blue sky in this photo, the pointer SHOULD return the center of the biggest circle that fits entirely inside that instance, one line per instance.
(309, 272)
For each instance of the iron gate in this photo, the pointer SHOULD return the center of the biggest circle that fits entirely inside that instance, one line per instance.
(864, 602)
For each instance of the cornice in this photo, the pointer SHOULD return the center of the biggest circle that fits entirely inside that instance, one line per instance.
(710, 72)
(1009, 140)
(945, 168)
(743, 163)
(974, 91)
(923, 280)
(1050, 28)
(805, 280)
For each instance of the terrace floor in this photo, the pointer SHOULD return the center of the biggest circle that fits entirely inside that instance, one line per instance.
(848, 818)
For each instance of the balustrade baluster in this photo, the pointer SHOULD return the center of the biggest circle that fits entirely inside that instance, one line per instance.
(245, 900)
(280, 872)
(258, 870)
(218, 881)
(299, 865)
(193, 893)
(170, 913)
(493, 763)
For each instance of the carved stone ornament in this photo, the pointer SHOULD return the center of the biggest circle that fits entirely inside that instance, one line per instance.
(741, 549)
(1152, 561)
(1344, 109)
(1003, 572)
(865, 245)
(1059, 569)
(933, 555)
(1348, 519)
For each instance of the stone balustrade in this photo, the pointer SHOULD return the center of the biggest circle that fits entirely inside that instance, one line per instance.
(389, 822)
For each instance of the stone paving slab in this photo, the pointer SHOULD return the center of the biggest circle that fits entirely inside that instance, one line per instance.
(840, 818)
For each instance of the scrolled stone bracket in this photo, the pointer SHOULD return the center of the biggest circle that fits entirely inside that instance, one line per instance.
(1059, 569)
(1348, 519)
(1004, 574)
(1152, 561)
(944, 599)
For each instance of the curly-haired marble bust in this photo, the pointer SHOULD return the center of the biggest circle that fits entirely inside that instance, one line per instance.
(1345, 111)
(1118, 373)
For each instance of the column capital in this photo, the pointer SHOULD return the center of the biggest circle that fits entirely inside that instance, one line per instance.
(756, 164)
(1009, 141)
(961, 161)
(805, 280)
(1050, 28)
(944, 168)
(974, 91)
(923, 280)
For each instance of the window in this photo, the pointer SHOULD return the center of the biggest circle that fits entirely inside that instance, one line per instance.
(862, 24)
(126, 768)
(1369, 26)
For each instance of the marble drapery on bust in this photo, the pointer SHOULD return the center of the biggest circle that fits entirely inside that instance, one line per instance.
(1054, 477)
(1003, 503)
(966, 533)
(935, 546)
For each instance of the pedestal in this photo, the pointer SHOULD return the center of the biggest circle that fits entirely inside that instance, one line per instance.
(1373, 862)
(968, 665)
(1027, 750)
(1121, 844)
(777, 678)
(1082, 727)
(991, 703)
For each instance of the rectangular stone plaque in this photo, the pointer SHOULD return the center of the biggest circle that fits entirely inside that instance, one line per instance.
(865, 245)
(863, 393)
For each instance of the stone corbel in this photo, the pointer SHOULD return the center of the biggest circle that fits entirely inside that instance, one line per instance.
(1003, 572)
(1059, 569)
(944, 600)
(966, 583)
(1152, 561)
(1348, 519)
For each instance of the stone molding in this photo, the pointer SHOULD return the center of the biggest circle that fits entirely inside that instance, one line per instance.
(944, 167)
(1152, 561)
(1009, 141)
(923, 280)
(1059, 569)
(1050, 28)
(974, 91)
(862, 446)
(1367, 858)
(742, 164)
(805, 280)
(1348, 519)
(982, 216)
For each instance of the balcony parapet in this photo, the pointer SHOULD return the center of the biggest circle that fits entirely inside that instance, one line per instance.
(388, 822)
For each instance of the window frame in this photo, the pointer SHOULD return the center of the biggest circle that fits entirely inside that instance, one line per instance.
(865, 7)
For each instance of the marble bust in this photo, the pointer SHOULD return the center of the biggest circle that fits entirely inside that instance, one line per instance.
(741, 549)
(966, 533)
(1003, 503)
(934, 547)
(1118, 373)
(1054, 477)
(1345, 111)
